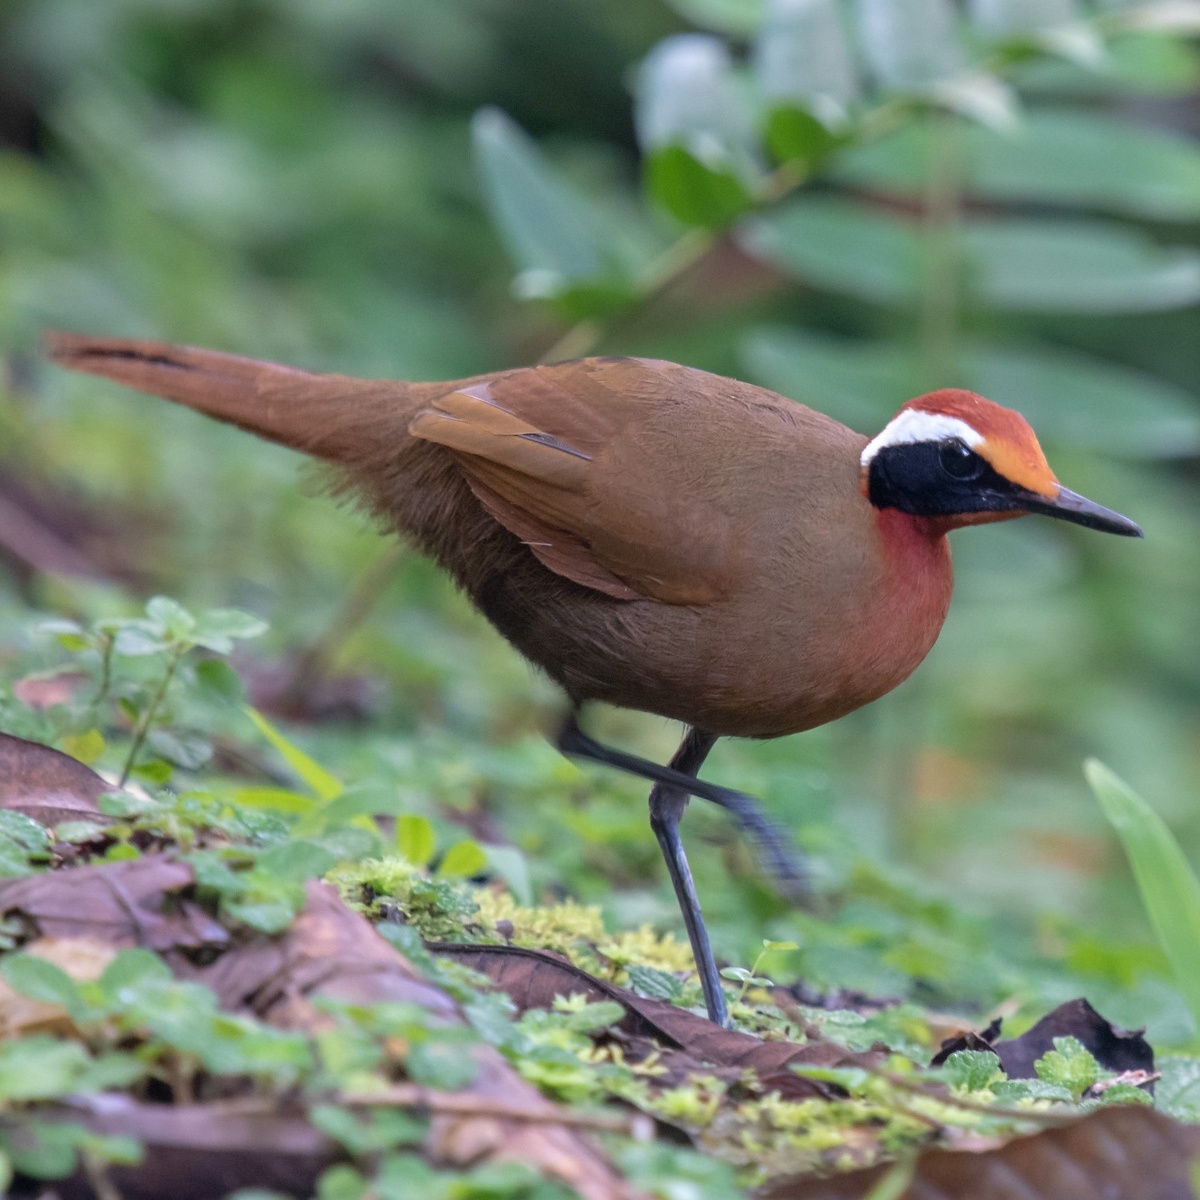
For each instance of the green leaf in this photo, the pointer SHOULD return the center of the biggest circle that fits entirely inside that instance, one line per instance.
(793, 134)
(513, 867)
(86, 747)
(549, 229)
(297, 860)
(218, 628)
(1076, 267)
(1033, 265)
(41, 980)
(803, 66)
(1069, 1065)
(971, 1070)
(218, 677)
(658, 985)
(415, 840)
(277, 799)
(135, 641)
(43, 1149)
(909, 44)
(701, 160)
(267, 916)
(1063, 156)
(26, 832)
(1169, 888)
(181, 747)
(841, 246)
(325, 785)
(171, 617)
(39, 1067)
(132, 969)
(1177, 1093)
(462, 860)
(691, 191)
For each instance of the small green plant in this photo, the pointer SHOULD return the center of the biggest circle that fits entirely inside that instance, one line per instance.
(133, 662)
(1169, 887)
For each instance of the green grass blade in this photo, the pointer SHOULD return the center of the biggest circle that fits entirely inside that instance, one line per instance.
(326, 786)
(1168, 885)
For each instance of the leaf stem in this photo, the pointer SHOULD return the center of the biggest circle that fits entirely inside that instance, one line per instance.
(152, 708)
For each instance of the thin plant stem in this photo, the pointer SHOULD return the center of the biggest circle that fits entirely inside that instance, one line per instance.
(152, 708)
(941, 251)
(105, 683)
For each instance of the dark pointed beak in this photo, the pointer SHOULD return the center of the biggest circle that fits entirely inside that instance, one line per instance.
(1070, 506)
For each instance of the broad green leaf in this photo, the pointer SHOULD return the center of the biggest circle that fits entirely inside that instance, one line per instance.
(218, 628)
(30, 835)
(1077, 266)
(181, 747)
(1177, 1093)
(695, 131)
(217, 676)
(463, 859)
(297, 860)
(415, 840)
(39, 1067)
(841, 246)
(513, 867)
(693, 192)
(1057, 156)
(326, 786)
(548, 228)
(802, 60)
(1032, 265)
(1169, 888)
(739, 18)
(909, 44)
(40, 980)
(132, 969)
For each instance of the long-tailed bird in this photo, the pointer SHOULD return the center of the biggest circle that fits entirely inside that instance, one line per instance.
(654, 536)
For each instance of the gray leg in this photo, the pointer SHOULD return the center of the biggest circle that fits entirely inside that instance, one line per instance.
(667, 805)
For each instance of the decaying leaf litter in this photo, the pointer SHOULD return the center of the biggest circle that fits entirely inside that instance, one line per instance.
(323, 1073)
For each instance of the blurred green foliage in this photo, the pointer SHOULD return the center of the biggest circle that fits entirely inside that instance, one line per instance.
(850, 203)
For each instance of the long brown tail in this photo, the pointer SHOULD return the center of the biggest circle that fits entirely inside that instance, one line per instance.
(333, 417)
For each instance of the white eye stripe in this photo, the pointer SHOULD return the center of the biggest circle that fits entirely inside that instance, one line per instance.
(913, 425)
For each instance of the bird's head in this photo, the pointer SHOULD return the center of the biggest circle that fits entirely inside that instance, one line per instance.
(961, 460)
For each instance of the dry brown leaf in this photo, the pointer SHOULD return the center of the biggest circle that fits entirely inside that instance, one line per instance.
(329, 950)
(692, 1044)
(46, 785)
(1112, 1154)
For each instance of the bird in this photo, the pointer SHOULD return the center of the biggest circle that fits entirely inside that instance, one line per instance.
(654, 536)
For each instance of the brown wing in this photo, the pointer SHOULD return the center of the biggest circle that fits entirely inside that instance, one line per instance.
(563, 457)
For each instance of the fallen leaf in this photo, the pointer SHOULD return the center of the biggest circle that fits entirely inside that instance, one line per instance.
(689, 1043)
(1110, 1154)
(1114, 1049)
(47, 786)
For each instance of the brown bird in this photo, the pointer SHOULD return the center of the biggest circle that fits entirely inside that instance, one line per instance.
(654, 536)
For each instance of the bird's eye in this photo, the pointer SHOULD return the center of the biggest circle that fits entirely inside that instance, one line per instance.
(958, 461)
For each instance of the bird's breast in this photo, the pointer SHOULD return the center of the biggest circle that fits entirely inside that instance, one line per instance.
(846, 621)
